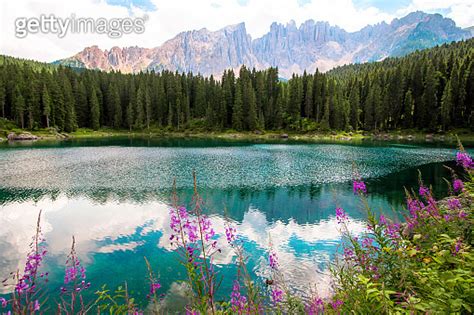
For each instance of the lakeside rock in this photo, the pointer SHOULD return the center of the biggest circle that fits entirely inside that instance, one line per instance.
(21, 137)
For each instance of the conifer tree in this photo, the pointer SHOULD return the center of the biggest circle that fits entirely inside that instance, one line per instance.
(46, 104)
(409, 105)
(237, 116)
(447, 106)
(19, 108)
(95, 110)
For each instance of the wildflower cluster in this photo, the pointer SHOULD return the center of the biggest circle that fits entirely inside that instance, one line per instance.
(74, 274)
(359, 187)
(26, 286)
(238, 301)
(464, 159)
(400, 267)
(194, 236)
(75, 282)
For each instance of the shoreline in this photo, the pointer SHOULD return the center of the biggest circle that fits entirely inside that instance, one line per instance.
(19, 135)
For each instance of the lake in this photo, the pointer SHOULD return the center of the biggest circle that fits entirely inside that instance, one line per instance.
(113, 195)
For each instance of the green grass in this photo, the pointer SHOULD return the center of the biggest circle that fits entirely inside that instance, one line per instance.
(464, 135)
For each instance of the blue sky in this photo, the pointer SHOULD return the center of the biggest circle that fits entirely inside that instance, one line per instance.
(384, 5)
(145, 5)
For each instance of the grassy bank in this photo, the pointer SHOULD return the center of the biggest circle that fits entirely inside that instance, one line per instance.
(403, 135)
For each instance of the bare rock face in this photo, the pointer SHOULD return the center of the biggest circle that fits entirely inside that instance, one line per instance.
(311, 46)
(205, 52)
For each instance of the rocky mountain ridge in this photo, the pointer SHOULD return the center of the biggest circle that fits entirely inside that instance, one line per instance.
(312, 45)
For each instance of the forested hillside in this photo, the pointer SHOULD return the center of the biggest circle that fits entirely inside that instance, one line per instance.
(432, 90)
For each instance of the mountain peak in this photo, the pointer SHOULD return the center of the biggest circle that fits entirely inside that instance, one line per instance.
(235, 27)
(312, 45)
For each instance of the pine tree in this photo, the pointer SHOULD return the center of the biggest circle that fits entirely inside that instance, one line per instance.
(70, 122)
(114, 105)
(95, 110)
(170, 115)
(447, 105)
(2, 98)
(252, 121)
(409, 104)
(129, 115)
(430, 100)
(82, 108)
(308, 100)
(237, 114)
(325, 119)
(140, 112)
(161, 107)
(57, 109)
(19, 107)
(46, 104)
(279, 106)
(354, 102)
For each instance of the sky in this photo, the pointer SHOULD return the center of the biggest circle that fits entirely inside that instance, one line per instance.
(163, 19)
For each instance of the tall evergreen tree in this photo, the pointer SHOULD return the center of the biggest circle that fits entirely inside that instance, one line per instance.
(354, 101)
(409, 105)
(447, 104)
(95, 110)
(237, 116)
(46, 104)
(19, 107)
(430, 100)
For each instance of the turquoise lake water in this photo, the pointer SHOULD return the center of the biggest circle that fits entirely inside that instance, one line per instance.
(113, 195)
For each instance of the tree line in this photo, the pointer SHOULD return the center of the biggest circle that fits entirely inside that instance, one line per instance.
(430, 90)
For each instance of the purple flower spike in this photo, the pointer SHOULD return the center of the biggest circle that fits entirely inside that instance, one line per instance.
(153, 287)
(454, 204)
(273, 260)
(458, 185)
(3, 302)
(359, 187)
(277, 295)
(316, 307)
(237, 300)
(230, 234)
(463, 159)
(424, 191)
(341, 215)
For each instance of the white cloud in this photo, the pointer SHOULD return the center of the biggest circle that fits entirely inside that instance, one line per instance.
(172, 17)
(461, 11)
(92, 224)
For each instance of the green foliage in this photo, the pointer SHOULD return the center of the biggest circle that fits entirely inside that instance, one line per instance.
(116, 302)
(431, 89)
(425, 265)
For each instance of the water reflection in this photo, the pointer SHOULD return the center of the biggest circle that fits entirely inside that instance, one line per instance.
(105, 232)
(114, 230)
(114, 200)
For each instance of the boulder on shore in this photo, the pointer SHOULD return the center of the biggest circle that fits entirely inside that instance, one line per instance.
(284, 136)
(22, 136)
